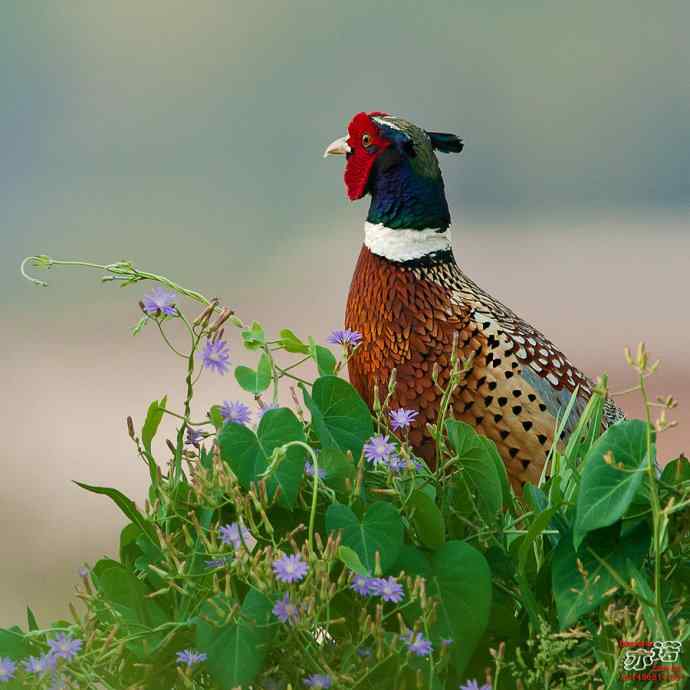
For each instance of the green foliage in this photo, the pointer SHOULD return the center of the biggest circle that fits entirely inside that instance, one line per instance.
(536, 590)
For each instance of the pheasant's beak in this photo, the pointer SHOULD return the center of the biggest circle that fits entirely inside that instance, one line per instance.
(339, 147)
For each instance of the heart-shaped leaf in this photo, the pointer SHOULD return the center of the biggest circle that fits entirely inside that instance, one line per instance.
(478, 467)
(249, 454)
(236, 650)
(606, 490)
(340, 417)
(381, 529)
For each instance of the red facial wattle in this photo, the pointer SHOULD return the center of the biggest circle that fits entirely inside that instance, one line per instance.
(361, 158)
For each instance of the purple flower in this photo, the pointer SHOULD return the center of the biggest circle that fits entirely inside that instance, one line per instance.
(344, 337)
(216, 356)
(473, 685)
(309, 470)
(237, 535)
(190, 657)
(285, 610)
(417, 643)
(362, 585)
(395, 463)
(389, 589)
(235, 412)
(64, 647)
(7, 669)
(263, 410)
(83, 571)
(364, 652)
(378, 448)
(402, 418)
(40, 664)
(290, 568)
(318, 680)
(194, 437)
(159, 301)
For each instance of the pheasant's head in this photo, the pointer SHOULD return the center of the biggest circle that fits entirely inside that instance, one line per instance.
(394, 161)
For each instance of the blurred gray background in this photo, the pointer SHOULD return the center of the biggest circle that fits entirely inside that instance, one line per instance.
(188, 138)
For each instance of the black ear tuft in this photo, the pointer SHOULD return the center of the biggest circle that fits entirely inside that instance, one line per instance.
(447, 143)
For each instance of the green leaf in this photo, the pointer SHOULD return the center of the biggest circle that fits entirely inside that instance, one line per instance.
(641, 587)
(605, 490)
(258, 381)
(126, 596)
(676, 471)
(152, 422)
(31, 620)
(461, 580)
(324, 358)
(381, 529)
(291, 343)
(254, 337)
(216, 417)
(13, 644)
(126, 505)
(576, 596)
(338, 467)
(501, 471)
(339, 416)
(249, 454)
(478, 468)
(427, 519)
(413, 561)
(236, 650)
(351, 561)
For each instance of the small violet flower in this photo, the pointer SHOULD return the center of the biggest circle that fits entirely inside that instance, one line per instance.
(190, 657)
(235, 412)
(361, 585)
(290, 568)
(344, 337)
(64, 647)
(318, 680)
(387, 588)
(286, 611)
(216, 356)
(40, 664)
(402, 418)
(7, 669)
(237, 535)
(395, 463)
(309, 470)
(194, 437)
(417, 643)
(473, 685)
(159, 301)
(378, 448)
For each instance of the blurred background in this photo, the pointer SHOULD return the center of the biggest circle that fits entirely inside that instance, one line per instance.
(188, 138)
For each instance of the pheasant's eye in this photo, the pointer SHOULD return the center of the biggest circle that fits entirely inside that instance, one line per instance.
(366, 139)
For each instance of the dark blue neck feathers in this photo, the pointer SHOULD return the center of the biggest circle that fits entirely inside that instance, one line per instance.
(401, 197)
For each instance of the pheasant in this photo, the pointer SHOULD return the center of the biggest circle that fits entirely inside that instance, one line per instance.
(410, 300)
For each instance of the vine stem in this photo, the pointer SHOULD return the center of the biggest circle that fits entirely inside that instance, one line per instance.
(315, 495)
(120, 270)
(656, 510)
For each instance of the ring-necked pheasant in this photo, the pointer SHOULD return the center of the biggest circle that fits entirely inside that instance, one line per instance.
(408, 298)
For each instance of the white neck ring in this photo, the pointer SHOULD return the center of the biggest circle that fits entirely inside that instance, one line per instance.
(404, 245)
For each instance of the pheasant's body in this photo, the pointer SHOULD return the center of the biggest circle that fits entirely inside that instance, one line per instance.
(518, 382)
(409, 300)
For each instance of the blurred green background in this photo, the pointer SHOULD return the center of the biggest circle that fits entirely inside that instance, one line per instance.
(188, 137)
